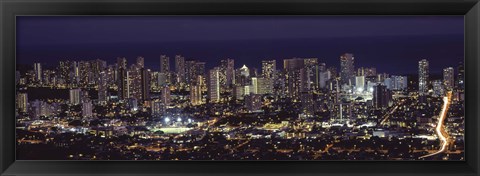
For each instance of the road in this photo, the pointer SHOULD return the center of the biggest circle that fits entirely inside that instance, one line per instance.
(441, 133)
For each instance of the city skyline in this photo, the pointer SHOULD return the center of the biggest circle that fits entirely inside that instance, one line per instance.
(184, 107)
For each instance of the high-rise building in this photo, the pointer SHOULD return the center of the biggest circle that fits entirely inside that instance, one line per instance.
(347, 69)
(165, 95)
(448, 78)
(360, 83)
(194, 69)
(308, 104)
(158, 108)
(140, 62)
(381, 96)
(227, 70)
(269, 68)
(37, 67)
(323, 78)
(196, 97)
(102, 87)
(22, 102)
(180, 69)
(165, 67)
(253, 102)
(87, 109)
(75, 96)
(145, 84)
(294, 68)
(164, 64)
(214, 85)
(399, 82)
(423, 74)
(123, 81)
(438, 88)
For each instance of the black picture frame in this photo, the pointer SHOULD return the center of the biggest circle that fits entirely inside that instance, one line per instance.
(9, 9)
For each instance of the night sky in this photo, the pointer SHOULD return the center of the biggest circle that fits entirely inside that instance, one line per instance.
(393, 44)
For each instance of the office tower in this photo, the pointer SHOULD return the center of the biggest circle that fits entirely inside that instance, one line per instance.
(448, 78)
(367, 71)
(360, 83)
(214, 85)
(75, 96)
(253, 102)
(239, 92)
(227, 70)
(399, 82)
(423, 72)
(180, 69)
(461, 76)
(165, 95)
(388, 82)
(347, 69)
(102, 87)
(269, 68)
(87, 109)
(123, 81)
(196, 97)
(22, 102)
(438, 88)
(37, 67)
(381, 96)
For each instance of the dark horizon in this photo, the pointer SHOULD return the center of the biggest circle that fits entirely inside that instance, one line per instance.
(392, 44)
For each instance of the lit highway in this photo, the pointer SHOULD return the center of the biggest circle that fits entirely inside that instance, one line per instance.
(441, 133)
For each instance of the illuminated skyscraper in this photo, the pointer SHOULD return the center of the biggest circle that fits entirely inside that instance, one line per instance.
(165, 95)
(293, 68)
(37, 67)
(214, 85)
(399, 82)
(22, 102)
(196, 97)
(75, 96)
(194, 69)
(438, 88)
(269, 68)
(164, 64)
(180, 69)
(360, 83)
(253, 102)
(448, 78)
(227, 73)
(347, 69)
(423, 72)
(102, 87)
(87, 109)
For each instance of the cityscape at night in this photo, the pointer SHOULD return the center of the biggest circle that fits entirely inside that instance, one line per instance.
(240, 88)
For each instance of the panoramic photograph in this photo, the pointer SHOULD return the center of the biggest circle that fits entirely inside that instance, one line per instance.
(233, 88)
